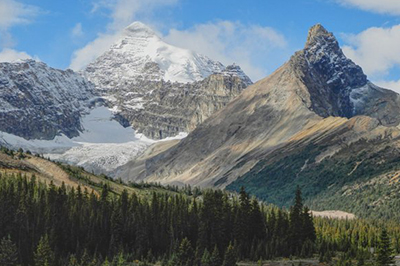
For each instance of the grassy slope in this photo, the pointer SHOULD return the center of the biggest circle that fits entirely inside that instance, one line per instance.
(47, 171)
(361, 178)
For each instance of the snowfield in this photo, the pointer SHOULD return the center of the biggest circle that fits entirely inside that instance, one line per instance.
(103, 145)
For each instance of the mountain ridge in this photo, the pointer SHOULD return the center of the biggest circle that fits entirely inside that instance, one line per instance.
(40, 102)
(317, 89)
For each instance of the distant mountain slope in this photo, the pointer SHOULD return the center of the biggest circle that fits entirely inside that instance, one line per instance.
(39, 102)
(16, 163)
(351, 165)
(317, 105)
(160, 89)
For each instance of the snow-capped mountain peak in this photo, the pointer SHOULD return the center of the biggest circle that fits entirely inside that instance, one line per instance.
(140, 54)
(138, 28)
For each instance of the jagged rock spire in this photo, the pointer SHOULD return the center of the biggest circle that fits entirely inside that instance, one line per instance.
(318, 33)
(329, 75)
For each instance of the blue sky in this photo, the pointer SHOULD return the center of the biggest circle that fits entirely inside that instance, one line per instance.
(259, 35)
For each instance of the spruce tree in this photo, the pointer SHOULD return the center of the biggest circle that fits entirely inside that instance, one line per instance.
(215, 259)
(197, 257)
(296, 223)
(308, 225)
(206, 258)
(106, 263)
(384, 252)
(242, 224)
(185, 254)
(230, 257)
(8, 252)
(119, 260)
(44, 255)
(73, 261)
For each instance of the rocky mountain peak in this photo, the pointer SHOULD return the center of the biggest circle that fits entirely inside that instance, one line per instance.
(318, 34)
(235, 71)
(161, 89)
(328, 74)
(137, 29)
(129, 58)
(323, 54)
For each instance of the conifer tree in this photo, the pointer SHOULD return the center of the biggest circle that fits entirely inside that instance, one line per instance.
(296, 223)
(230, 257)
(308, 228)
(106, 263)
(185, 255)
(206, 258)
(215, 259)
(119, 260)
(8, 252)
(384, 252)
(85, 258)
(73, 261)
(242, 224)
(197, 257)
(44, 255)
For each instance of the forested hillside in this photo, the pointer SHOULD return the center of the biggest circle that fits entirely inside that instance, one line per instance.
(56, 214)
(48, 225)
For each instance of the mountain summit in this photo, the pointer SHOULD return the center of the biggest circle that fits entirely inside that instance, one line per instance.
(138, 28)
(162, 90)
(141, 54)
(336, 85)
(317, 33)
(330, 76)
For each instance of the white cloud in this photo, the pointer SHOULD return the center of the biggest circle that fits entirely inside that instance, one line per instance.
(123, 13)
(391, 84)
(376, 50)
(13, 13)
(77, 31)
(10, 55)
(250, 46)
(92, 50)
(378, 6)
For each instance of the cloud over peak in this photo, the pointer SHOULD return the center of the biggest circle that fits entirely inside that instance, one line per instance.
(11, 55)
(231, 42)
(382, 6)
(122, 13)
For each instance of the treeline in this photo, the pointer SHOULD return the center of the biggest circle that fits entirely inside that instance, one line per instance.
(355, 241)
(47, 225)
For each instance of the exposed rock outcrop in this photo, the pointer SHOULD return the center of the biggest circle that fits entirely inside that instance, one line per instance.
(39, 102)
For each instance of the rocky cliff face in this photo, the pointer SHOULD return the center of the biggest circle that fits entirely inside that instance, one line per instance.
(162, 90)
(39, 102)
(313, 92)
(336, 85)
(172, 108)
(329, 75)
